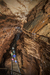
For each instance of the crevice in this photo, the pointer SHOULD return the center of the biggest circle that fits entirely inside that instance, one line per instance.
(43, 8)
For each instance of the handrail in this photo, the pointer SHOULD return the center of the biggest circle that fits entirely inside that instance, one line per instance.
(10, 70)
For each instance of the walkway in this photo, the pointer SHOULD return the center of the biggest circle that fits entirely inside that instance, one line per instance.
(15, 69)
(14, 66)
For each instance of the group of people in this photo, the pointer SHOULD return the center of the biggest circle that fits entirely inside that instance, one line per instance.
(13, 56)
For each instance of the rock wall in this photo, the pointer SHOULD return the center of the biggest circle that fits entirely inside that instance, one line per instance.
(45, 31)
(38, 17)
(42, 6)
(6, 37)
(33, 56)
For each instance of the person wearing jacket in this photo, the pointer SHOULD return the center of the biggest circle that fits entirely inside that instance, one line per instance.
(14, 56)
(11, 54)
(15, 61)
(13, 51)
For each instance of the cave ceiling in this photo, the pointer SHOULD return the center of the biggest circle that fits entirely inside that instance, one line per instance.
(30, 15)
(19, 8)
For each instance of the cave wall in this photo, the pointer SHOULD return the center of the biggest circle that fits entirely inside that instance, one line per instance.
(33, 56)
(45, 31)
(42, 6)
(6, 37)
(38, 17)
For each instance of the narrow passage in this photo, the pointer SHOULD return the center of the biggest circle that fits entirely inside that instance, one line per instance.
(15, 70)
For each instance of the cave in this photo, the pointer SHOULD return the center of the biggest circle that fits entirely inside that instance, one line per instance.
(25, 29)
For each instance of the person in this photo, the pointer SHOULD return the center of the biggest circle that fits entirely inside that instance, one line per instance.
(14, 56)
(13, 51)
(11, 54)
(13, 48)
(15, 61)
(12, 59)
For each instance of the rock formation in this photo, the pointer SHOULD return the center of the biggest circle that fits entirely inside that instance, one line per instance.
(34, 56)
(33, 46)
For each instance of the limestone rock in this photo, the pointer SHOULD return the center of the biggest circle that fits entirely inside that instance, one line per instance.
(34, 56)
(8, 63)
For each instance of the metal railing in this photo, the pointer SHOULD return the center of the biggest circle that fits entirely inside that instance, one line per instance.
(10, 71)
